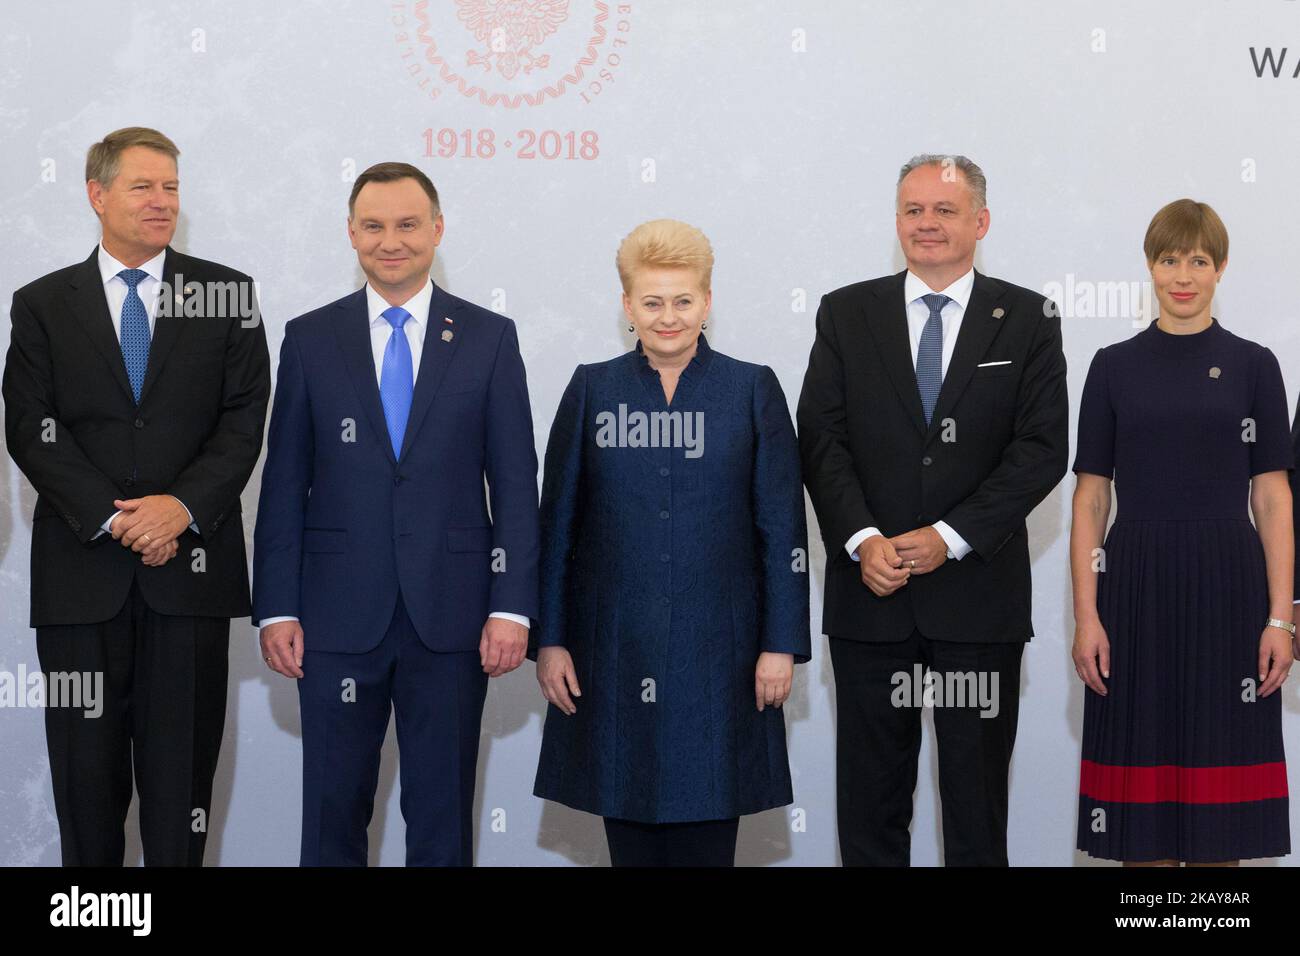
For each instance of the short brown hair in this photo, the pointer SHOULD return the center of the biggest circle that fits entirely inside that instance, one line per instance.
(1185, 225)
(391, 172)
(664, 244)
(105, 157)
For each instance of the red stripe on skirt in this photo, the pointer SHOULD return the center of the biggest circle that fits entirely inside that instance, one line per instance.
(1172, 784)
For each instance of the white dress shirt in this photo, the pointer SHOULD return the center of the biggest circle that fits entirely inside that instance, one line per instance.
(115, 290)
(918, 313)
(381, 330)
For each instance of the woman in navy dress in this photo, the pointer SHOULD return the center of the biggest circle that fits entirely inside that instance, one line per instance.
(674, 576)
(1183, 629)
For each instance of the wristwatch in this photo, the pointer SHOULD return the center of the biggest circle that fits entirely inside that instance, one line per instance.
(1285, 625)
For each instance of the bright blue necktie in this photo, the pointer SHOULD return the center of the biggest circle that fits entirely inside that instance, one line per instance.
(929, 357)
(397, 378)
(135, 331)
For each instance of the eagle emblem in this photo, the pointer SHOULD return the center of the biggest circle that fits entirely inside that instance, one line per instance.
(510, 29)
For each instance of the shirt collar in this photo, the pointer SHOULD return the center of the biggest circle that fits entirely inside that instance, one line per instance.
(110, 267)
(914, 287)
(417, 305)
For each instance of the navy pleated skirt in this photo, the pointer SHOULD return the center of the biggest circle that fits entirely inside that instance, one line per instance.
(1183, 760)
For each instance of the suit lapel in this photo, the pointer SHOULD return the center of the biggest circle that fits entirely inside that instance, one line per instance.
(978, 327)
(89, 308)
(352, 328)
(166, 327)
(435, 357)
(889, 329)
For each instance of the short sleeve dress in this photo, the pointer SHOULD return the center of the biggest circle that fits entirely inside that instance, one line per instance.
(1182, 759)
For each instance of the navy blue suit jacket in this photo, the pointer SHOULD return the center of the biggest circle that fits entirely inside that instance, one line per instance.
(665, 575)
(342, 522)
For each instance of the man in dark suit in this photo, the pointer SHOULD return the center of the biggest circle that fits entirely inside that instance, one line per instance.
(135, 395)
(933, 419)
(379, 579)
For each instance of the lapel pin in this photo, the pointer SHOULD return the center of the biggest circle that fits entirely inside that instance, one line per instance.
(446, 335)
(448, 320)
(999, 312)
(1215, 371)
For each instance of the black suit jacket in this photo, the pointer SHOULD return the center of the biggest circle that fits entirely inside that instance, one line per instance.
(996, 446)
(196, 434)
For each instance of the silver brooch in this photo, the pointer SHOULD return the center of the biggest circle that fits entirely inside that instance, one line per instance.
(1215, 371)
(447, 335)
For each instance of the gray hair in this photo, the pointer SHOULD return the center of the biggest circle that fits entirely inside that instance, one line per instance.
(105, 157)
(975, 180)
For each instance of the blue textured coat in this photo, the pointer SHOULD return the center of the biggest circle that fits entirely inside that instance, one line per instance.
(665, 571)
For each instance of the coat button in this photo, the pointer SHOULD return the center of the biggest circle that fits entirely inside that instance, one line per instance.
(663, 472)
(397, 479)
(665, 558)
(664, 515)
(139, 423)
(927, 460)
(128, 481)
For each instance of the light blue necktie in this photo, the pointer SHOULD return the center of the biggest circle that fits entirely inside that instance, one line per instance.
(397, 379)
(929, 357)
(135, 331)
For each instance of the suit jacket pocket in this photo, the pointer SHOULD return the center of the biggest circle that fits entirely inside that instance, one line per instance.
(469, 539)
(324, 540)
(459, 386)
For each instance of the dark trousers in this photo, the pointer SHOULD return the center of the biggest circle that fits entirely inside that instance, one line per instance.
(346, 700)
(708, 843)
(163, 681)
(877, 743)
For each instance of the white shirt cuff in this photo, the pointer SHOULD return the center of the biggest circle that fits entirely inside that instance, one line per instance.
(107, 526)
(268, 621)
(517, 618)
(957, 546)
(857, 539)
(189, 514)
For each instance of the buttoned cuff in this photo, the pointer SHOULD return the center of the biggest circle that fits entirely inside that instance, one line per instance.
(857, 539)
(957, 546)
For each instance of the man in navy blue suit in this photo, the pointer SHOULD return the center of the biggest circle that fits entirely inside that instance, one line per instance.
(378, 576)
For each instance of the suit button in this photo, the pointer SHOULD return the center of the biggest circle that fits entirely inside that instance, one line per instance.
(139, 423)
(397, 479)
(128, 481)
(663, 472)
(665, 558)
(919, 518)
(927, 460)
(664, 515)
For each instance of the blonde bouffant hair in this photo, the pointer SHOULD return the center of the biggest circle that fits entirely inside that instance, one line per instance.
(664, 244)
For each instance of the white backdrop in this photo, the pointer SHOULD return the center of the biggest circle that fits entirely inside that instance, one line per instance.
(778, 129)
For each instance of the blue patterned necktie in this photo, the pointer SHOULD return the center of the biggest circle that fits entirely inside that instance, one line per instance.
(135, 331)
(397, 378)
(929, 357)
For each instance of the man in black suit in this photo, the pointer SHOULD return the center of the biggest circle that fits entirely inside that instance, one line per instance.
(933, 419)
(135, 394)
